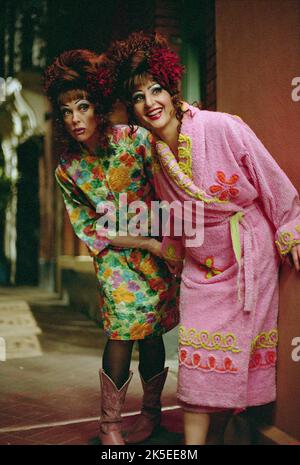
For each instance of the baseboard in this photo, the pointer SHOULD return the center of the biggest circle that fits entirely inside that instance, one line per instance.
(273, 435)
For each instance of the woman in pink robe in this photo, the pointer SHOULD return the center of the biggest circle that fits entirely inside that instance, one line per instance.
(229, 291)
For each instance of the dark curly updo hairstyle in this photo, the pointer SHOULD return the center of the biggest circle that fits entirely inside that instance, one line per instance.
(74, 74)
(140, 56)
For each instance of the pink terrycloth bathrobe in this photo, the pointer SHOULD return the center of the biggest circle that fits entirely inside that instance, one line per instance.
(229, 302)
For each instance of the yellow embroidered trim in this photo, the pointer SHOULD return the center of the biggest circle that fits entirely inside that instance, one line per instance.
(185, 155)
(207, 341)
(179, 177)
(265, 340)
(155, 161)
(156, 166)
(286, 242)
(297, 228)
(170, 254)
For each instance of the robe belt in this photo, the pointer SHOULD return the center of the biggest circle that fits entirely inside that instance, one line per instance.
(236, 221)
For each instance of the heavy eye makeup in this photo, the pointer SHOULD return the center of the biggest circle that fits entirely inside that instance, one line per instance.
(65, 112)
(82, 106)
(156, 88)
(139, 96)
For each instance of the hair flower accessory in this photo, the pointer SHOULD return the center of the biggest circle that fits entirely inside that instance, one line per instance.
(105, 81)
(164, 65)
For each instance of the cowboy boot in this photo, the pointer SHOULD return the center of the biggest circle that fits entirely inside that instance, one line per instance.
(112, 400)
(150, 415)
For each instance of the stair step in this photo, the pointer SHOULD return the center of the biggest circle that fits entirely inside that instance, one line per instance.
(18, 330)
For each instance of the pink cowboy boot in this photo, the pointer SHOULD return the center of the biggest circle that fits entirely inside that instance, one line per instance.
(112, 400)
(151, 409)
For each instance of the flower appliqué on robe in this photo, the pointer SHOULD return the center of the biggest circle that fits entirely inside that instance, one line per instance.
(196, 360)
(209, 267)
(225, 189)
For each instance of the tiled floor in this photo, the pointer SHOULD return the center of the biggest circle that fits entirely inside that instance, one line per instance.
(85, 432)
(54, 398)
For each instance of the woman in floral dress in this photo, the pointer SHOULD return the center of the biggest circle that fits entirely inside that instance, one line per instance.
(100, 165)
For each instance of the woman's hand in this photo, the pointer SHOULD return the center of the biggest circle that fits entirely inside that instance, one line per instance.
(137, 242)
(295, 253)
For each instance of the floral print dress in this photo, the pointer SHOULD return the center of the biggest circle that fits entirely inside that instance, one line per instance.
(138, 295)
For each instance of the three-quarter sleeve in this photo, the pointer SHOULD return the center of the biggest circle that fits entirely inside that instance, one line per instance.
(82, 214)
(279, 197)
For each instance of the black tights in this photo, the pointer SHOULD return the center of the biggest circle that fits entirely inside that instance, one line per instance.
(117, 357)
(152, 357)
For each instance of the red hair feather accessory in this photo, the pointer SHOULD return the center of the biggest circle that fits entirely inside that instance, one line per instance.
(164, 65)
(140, 53)
(105, 81)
